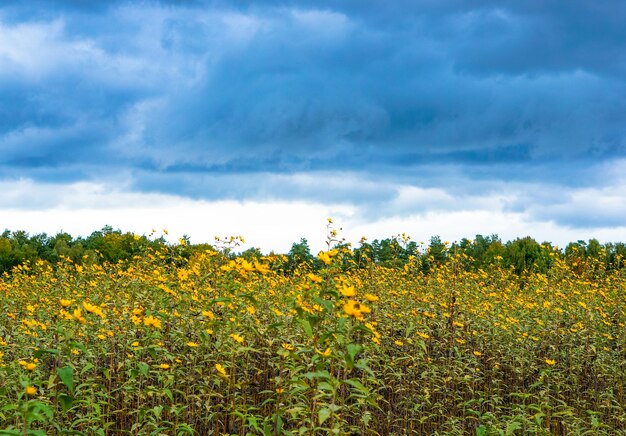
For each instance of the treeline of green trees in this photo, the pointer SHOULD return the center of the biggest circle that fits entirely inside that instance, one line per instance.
(110, 245)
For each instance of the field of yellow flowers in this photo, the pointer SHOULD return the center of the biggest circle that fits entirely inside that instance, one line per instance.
(216, 345)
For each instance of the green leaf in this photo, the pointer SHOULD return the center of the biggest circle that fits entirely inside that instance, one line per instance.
(306, 325)
(66, 374)
(66, 402)
(143, 368)
(41, 351)
(86, 368)
(323, 414)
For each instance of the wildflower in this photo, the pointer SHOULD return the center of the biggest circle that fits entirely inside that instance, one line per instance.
(30, 390)
(164, 366)
(237, 338)
(288, 347)
(151, 321)
(263, 269)
(324, 353)
(398, 343)
(78, 315)
(279, 390)
(64, 302)
(423, 335)
(220, 370)
(324, 257)
(550, 362)
(347, 291)
(355, 309)
(314, 278)
(477, 353)
(371, 297)
(246, 266)
(192, 344)
(135, 344)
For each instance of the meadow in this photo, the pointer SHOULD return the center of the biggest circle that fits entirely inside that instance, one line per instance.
(216, 344)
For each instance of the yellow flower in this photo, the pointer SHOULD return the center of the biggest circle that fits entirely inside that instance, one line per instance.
(288, 347)
(398, 343)
(324, 257)
(263, 269)
(477, 353)
(30, 366)
(192, 344)
(31, 390)
(355, 309)
(135, 344)
(324, 353)
(550, 362)
(347, 291)
(164, 366)
(314, 278)
(65, 302)
(220, 370)
(151, 321)
(237, 338)
(423, 335)
(371, 297)
(246, 266)
(210, 331)
(279, 390)
(78, 315)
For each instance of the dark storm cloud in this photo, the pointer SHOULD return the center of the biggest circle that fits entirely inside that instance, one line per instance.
(183, 93)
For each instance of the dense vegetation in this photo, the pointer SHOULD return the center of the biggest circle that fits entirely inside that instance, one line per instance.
(123, 334)
(112, 246)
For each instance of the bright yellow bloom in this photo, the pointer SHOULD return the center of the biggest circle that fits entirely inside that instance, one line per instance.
(550, 362)
(135, 344)
(192, 344)
(477, 353)
(65, 302)
(324, 353)
(78, 315)
(355, 309)
(314, 278)
(423, 335)
(324, 257)
(164, 366)
(151, 321)
(263, 269)
(371, 297)
(237, 338)
(288, 347)
(347, 291)
(31, 390)
(398, 343)
(246, 266)
(220, 370)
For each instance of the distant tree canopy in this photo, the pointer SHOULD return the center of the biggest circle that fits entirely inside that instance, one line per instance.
(523, 255)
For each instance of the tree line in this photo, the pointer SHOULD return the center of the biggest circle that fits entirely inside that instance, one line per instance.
(523, 255)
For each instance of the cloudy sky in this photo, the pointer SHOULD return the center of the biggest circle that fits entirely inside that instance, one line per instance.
(262, 118)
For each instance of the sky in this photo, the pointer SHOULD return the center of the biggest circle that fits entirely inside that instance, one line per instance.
(263, 118)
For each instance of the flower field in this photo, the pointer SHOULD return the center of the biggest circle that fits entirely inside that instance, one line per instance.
(218, 345)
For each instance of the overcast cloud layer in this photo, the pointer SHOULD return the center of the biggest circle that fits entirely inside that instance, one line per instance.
(393, 109)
